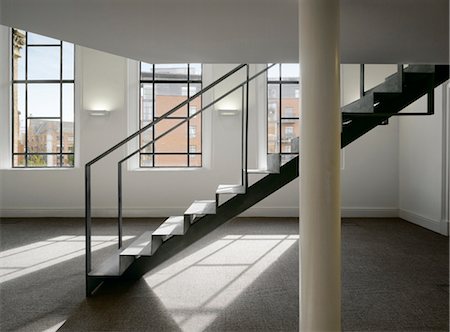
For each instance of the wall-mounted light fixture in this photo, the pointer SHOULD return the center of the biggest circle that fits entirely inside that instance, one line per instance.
(228, 112)
(99, 112)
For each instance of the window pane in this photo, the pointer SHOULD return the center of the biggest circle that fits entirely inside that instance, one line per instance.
(68, 160)
(146, 137)
(44, 63)
(273, 74)
(19, 117)
(273, 109)
(175, 141)
(195, 71)
(19, 161)
(195, 160)
(195, 133)
(43, 160)
(68, 61)
(146, 160)
(146, 71)
(147, 102)
(290, 71)
(290, 102)
(68, 102)
(43, 135)
(43, 100)
(19, 54)
(168, 160)
(167, 96)
(289, 133)
(171, 72)
(34, 38)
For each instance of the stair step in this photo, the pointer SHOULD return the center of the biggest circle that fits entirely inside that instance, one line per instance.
(420, 69)
(114, 266)
(232, 189)
(139, 247)
(202, 207)
(260, 171)
(171, 226)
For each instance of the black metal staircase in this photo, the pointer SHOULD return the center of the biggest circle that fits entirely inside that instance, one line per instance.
(177, 232)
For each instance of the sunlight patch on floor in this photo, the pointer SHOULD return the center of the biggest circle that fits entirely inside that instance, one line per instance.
(198, 287)
(36, 256)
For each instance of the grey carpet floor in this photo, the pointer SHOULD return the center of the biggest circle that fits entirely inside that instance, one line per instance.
(242, 277)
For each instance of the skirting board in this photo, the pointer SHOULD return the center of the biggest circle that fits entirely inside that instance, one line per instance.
(168, 211)
(433, 225)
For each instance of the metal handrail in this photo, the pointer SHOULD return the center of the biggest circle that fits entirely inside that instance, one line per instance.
(87, 177)
(245, 155)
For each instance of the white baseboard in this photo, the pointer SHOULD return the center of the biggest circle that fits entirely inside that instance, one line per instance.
(347, 212)
(437, 226)
(369, 212)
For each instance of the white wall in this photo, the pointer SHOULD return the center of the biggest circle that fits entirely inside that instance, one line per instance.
(370, 164)
(423, 154)
(369, 174)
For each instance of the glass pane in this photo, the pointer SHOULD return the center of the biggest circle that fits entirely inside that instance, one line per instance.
(19, 41)
(167, 96)
(195, 71)
(19, 117)
(68, 137)
(171, 71)
(68, 102)
(146, 71)
(195, 160)
(147, 102)
(68, 160)
(19, 161)
(193, 89)
(42, 160)
(195, 133)
(289, 132)
(273, 74)
(43, 135)
(175, 141)
(44, 63)
(290, 103)
(68, 61)
(34, 38)
(287, 157)
(290, 71)
(43, 100)
(169, 160)
(146, 160)
(273, 109)
(146, 137)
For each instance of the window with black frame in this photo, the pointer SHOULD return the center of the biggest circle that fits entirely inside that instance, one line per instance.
(162, 87)
(42, 101)
(283, 110)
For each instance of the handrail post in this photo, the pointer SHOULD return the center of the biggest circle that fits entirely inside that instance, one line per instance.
(119, 205)
(246, 125)
(88, 220)
(242, 136)
(361, 81)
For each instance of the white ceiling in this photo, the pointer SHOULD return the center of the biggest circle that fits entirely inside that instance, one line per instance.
(236, 31)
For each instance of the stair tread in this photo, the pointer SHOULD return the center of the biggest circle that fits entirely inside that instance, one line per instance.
(202, 207)
(141, 246)
(259, 171)
(171, 226)
(112, 267)
(230, 189)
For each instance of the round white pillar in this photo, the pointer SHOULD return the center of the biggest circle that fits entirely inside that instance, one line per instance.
(320, 225)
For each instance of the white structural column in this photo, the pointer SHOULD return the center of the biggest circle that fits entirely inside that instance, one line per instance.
(320, 227)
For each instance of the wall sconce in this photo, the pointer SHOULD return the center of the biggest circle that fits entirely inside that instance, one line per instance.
(228, 112)
(99, 112)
